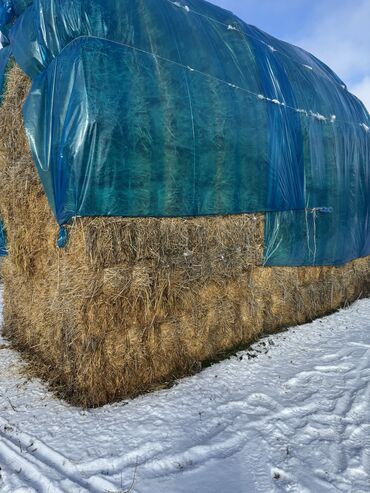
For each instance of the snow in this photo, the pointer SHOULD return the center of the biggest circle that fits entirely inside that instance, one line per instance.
(318, 116)
(178, 4)
(291, 414)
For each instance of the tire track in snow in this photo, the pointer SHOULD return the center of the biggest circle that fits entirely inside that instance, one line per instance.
(37, 462)
(298, 426)
(226, 441)
(33, 476)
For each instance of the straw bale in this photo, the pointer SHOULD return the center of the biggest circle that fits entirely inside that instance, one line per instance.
(133, 304)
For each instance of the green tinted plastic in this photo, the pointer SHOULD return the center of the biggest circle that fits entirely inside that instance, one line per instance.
(3, 247)
(162, 108)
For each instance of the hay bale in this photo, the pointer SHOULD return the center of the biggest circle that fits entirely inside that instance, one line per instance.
(131, 304)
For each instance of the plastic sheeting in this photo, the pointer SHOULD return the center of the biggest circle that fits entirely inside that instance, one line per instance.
(5, 54)
(3, 248)
(6, 12)
(162, 108)
(20, 6)
(321, 235)
(11, 8)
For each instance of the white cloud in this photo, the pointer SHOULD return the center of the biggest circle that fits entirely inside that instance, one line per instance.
(340, 37)
(362, 90)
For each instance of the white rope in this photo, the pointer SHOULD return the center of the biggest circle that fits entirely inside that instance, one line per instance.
(230, 27)
(308, 113)
(236, 27)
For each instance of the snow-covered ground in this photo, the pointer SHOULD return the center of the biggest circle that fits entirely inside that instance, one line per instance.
(290, 415)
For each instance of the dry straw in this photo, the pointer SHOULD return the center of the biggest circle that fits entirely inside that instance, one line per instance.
(133, 304)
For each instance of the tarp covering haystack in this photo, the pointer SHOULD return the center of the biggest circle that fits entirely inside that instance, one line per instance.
(173, 184)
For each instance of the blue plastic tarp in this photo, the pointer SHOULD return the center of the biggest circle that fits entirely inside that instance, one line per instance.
(6, 13)
(3, 246)
(5, 54)
(163, 108)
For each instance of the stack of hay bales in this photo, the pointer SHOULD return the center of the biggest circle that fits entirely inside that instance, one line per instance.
(132, 304)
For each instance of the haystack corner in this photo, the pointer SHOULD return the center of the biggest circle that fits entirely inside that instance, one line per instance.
(198, 205)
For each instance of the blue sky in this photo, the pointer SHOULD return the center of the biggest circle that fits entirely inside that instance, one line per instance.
(336, 31)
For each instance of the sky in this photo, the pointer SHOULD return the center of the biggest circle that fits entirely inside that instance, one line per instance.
(336, 31)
